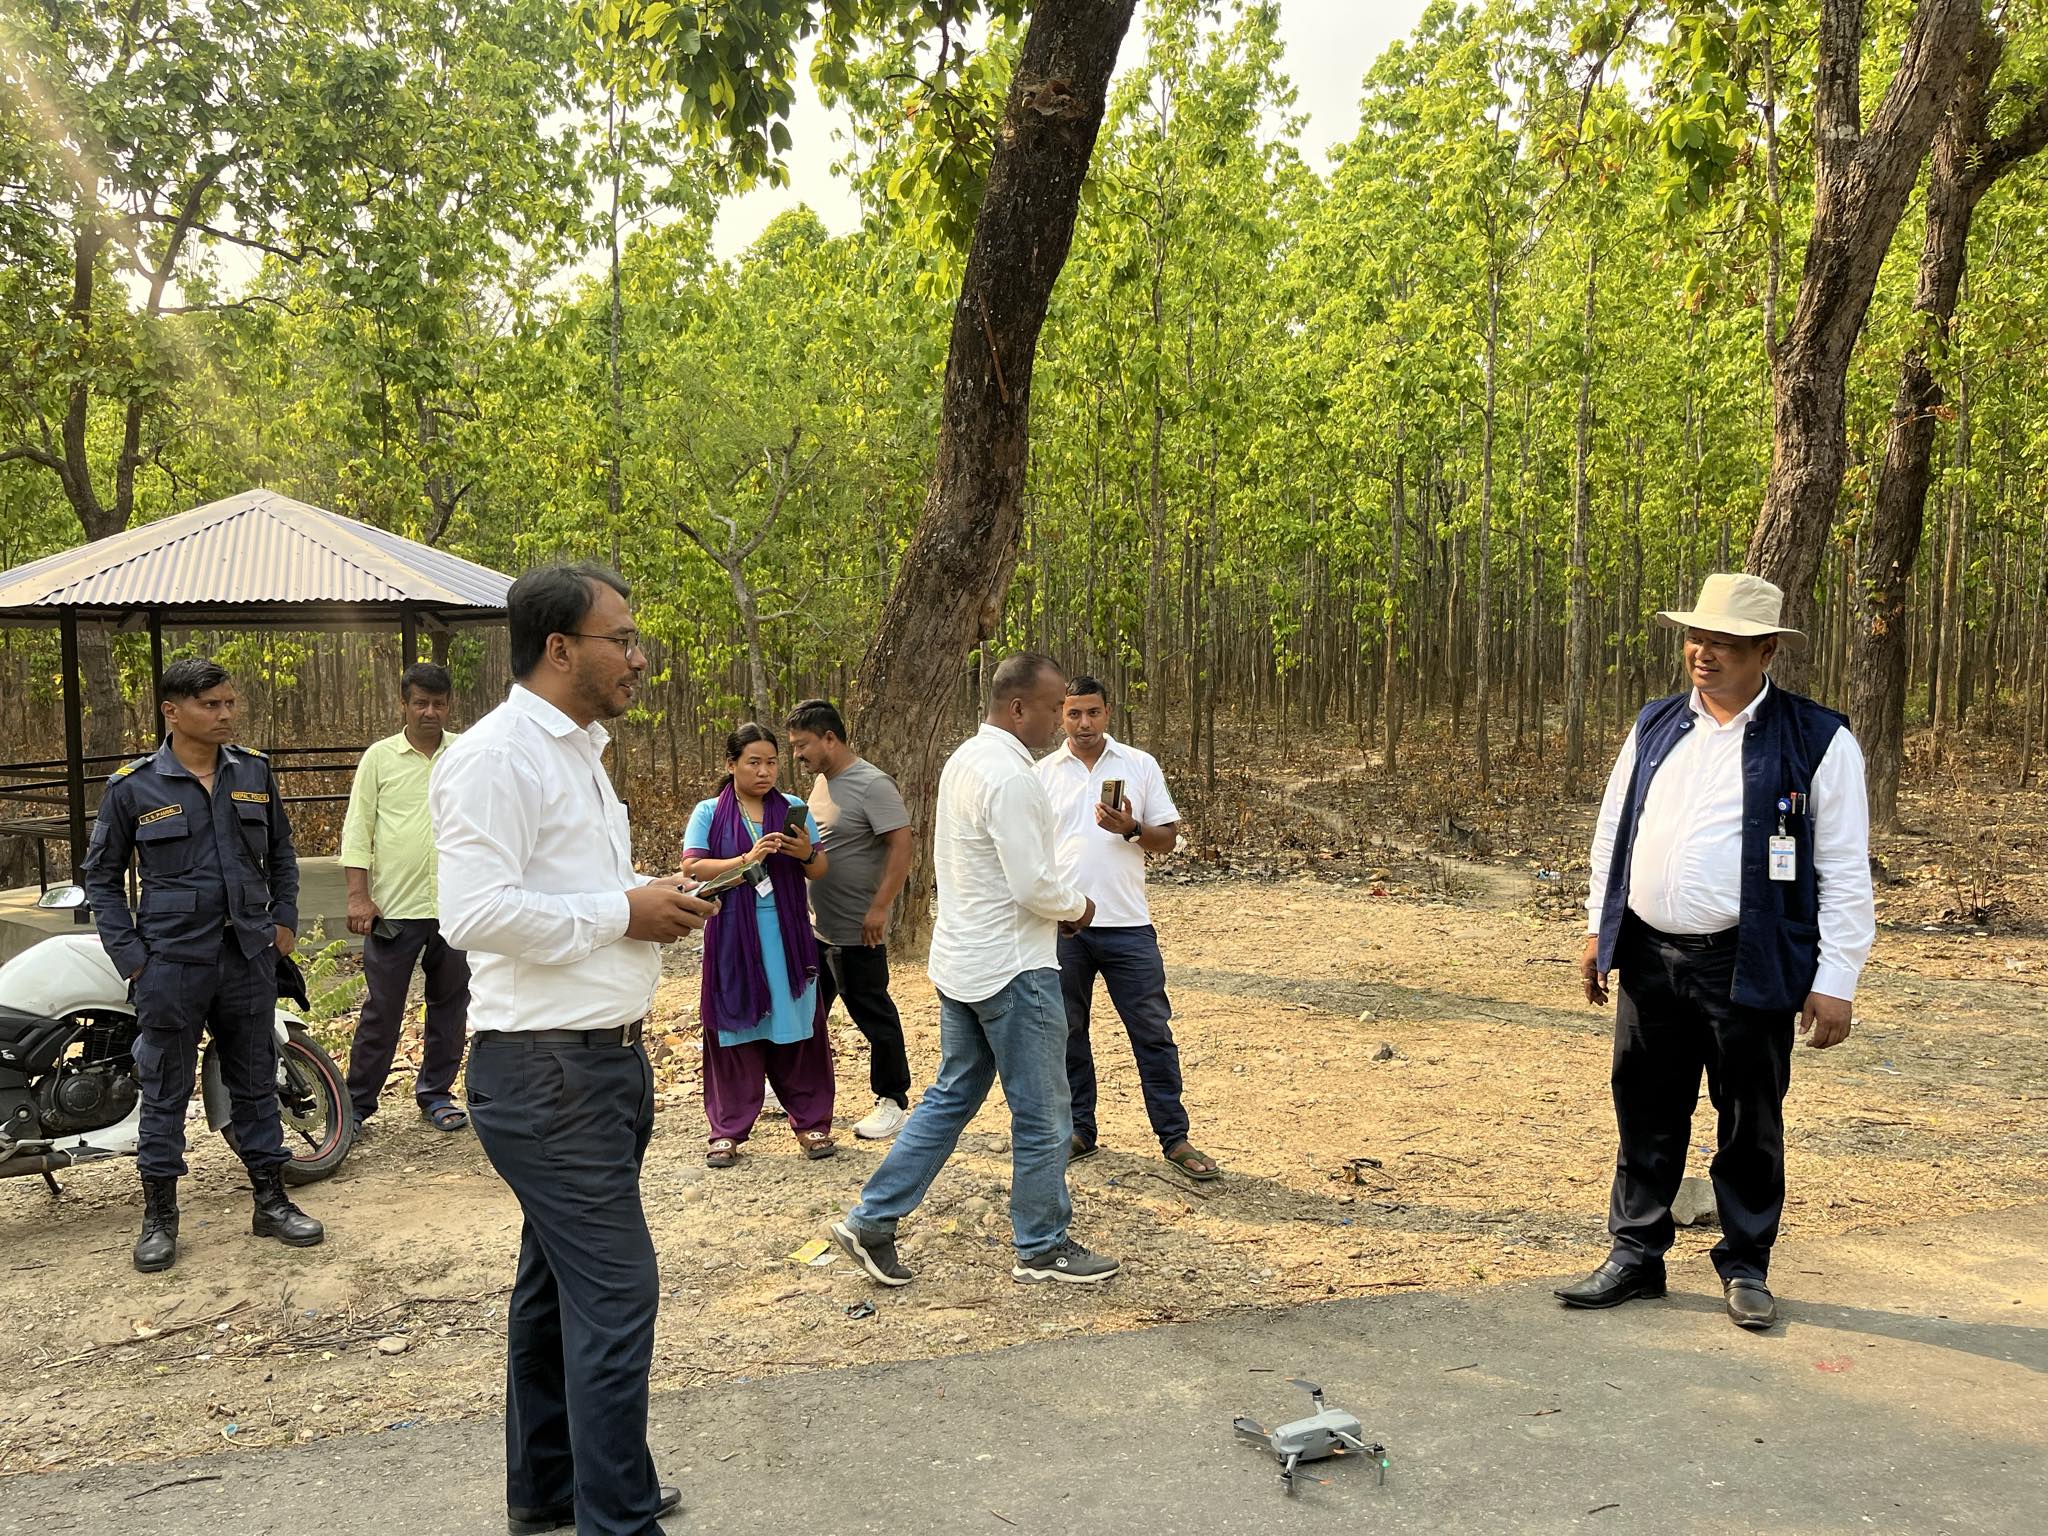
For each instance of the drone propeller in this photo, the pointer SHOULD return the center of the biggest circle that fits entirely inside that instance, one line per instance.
(1307, 1386)
(1252, 1429)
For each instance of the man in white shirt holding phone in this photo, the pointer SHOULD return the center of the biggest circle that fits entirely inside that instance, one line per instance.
(564, 939)
(1111, 807)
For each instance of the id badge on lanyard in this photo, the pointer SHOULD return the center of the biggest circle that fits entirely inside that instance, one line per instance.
(1784, 850)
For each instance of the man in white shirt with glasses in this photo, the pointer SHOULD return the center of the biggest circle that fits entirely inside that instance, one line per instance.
(564, 941)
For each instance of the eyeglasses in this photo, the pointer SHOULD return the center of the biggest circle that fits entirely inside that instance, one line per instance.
(628, 643)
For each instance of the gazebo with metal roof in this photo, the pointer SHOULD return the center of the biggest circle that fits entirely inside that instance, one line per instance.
(259, 560)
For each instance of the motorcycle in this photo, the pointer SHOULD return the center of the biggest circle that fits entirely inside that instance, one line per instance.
(68, 1093)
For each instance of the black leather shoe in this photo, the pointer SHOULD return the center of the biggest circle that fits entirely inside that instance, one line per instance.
(157, 1248)
(560, 1517)
(1612, 1284)
(1750, 1304)
(276, 1216)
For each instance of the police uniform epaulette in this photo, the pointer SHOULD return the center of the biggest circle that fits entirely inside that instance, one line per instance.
(125, 769)
(252, 752)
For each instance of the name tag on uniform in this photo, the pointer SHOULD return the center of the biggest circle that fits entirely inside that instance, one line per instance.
(1784, 859)
(159, 814)
(253, 796)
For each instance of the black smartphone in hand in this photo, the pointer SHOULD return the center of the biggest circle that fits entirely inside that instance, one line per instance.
(794, 825)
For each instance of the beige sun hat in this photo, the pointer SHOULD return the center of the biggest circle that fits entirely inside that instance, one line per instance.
(1735, 604)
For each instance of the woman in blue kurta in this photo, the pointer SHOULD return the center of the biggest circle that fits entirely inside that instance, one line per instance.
(762, 1019)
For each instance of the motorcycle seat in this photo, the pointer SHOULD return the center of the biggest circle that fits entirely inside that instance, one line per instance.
(13, 1021)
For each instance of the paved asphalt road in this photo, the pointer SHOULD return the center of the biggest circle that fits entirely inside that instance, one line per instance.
(1907, 1392)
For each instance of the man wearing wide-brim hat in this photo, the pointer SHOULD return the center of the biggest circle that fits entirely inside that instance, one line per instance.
(1731, 888)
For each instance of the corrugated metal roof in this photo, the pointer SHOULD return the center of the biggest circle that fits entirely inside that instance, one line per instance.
(256, 550)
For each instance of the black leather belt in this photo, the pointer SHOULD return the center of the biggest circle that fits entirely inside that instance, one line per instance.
(1701, 943)
(624, 1034)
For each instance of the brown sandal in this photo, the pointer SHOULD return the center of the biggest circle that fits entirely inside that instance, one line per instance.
(722, 1153)
(816, 1144)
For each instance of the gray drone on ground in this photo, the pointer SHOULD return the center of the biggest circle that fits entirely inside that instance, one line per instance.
(1326, 1432)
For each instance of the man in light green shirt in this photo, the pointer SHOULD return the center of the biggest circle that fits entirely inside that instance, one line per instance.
(387, 853)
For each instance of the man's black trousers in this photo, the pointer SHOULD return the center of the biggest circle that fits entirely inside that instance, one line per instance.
(387, 969)
(858, 974)
(1673, 1017)
(566, 1126)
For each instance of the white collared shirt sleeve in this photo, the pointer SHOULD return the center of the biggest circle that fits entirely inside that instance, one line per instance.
(1020, 826)
(1606, 829)
(1841, 864)
(1158, 809)
(486, 811)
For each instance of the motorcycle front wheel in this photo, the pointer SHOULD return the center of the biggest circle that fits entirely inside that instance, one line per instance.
(312, 1104)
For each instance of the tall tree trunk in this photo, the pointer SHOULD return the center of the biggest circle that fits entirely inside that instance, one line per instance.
(1579, 628)
(949, 588)
(1954, 588)
(1155, 516)
(1483, 657)
(1861, 183)
(1390, 668)
(614, 488)
(1965, 164)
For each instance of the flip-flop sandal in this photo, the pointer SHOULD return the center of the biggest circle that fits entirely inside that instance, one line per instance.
(1196, 1165)
(1078, 1149)
(722, 1153)
(446, 1115)
(817, 1144)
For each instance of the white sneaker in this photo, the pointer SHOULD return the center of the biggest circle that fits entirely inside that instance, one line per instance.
(883, 1121)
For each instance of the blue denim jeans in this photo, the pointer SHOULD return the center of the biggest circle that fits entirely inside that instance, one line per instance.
(1021, 1034)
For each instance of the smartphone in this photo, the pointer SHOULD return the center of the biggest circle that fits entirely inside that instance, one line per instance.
(795, 824)
(383, 928)
(1113, 794)
(738, 875)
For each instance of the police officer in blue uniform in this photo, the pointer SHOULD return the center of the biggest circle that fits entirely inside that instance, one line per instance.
(219, 903)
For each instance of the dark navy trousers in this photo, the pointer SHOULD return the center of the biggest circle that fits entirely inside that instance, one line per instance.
(234, 1000)
(566, 1125)
(1128, 961)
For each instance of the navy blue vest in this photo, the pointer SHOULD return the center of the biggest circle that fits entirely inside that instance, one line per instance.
(1778, 936)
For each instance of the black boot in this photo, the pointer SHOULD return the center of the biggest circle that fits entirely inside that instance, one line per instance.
(157, 1248)
(276, 1216)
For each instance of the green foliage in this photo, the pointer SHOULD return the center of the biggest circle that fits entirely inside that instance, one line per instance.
(1250, 372)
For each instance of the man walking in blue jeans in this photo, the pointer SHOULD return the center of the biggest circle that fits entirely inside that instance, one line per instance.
(1110, 808)
(995, 963)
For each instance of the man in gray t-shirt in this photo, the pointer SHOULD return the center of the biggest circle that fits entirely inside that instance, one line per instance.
(866, 838)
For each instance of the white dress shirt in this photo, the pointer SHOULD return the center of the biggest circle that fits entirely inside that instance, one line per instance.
(1685, 866)
(535, 861)
(1000, 901)
(1109, 868)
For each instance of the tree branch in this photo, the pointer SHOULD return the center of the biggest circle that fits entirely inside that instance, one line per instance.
(33, 456)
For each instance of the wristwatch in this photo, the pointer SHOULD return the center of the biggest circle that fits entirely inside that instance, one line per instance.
(1134, 834)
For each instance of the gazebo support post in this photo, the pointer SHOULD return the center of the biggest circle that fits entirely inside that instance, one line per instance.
(156, 672)
(409, 633)
(74, 743)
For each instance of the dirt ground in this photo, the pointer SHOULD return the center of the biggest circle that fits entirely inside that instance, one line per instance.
(1320, 1022)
